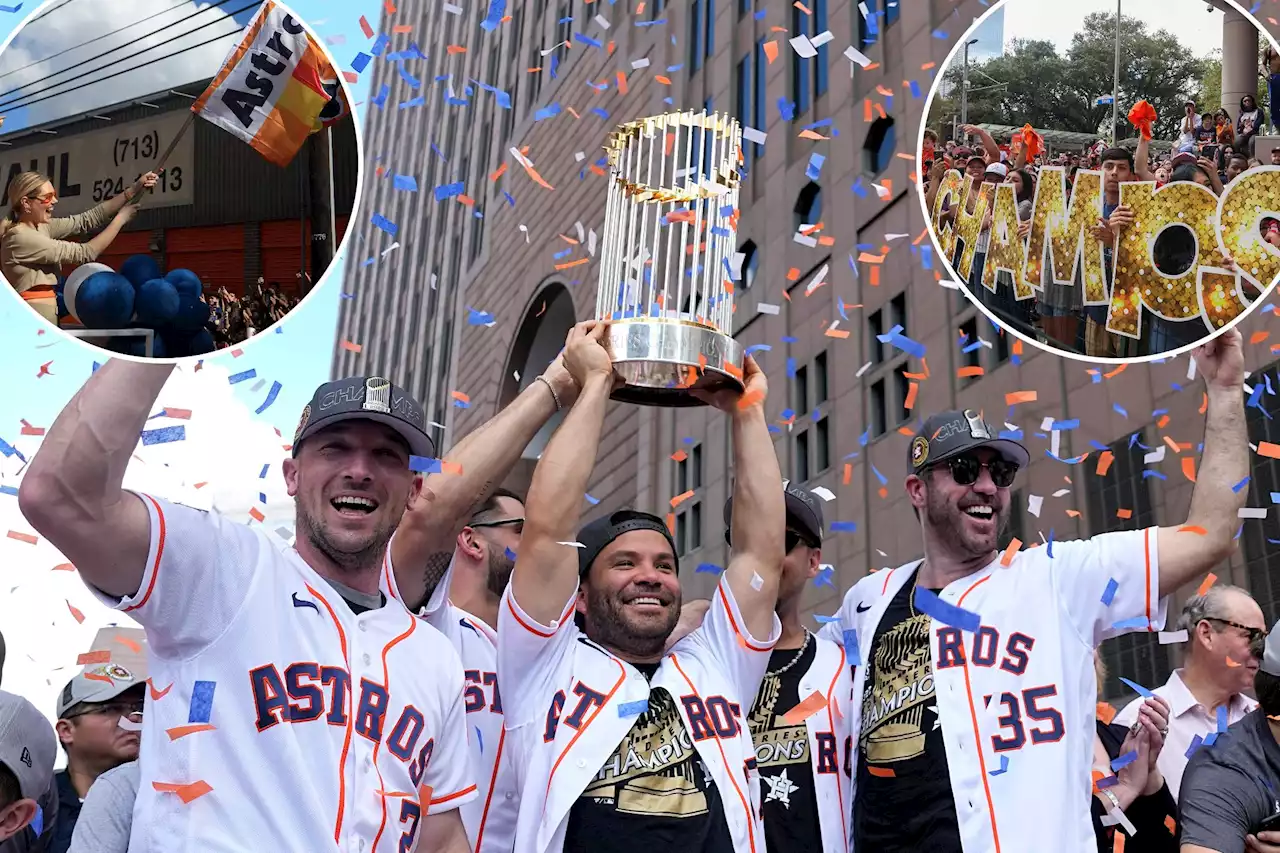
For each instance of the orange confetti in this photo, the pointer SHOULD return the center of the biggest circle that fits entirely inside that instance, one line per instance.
(1115, 372)
(401, 29)
(177, 414)
(1172, 444)
(75, 613)
(95, 676)
(129, 644)
(187, 793)
(679, 456)
(182, 731)
(1124, 513)
(793, 274)
(812, 704)
(622, 83)
(499, 172)
(256, 514)
(813, 134)
(1192, 528)
(23, 537)
(1204, 402)
(1104, 462)
(1269, 450)
(1073, 513)
(1010, 552)
(1189, 468)
(671, 523)
(1209, 580)
(63, 567)
(805, 9)
(350, 347)
(579, 262)
(1106, 712)
(770, 50)
(1171, 824)
(99, 656)
(750, 398)
(157, 695)
(883, 772)
(848, 473)
(1013, 398)
(389, 6)
(1117, 843)
(1258, 337)
(460, 397)
(1230, 662)
(836, 333)
(679, 499)
(455, 48)
(912, 390)
(972, 370)
(664, 80)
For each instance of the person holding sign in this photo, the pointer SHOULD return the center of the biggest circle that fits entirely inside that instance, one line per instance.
(33, 244)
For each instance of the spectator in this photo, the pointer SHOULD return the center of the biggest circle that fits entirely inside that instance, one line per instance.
(1230, 786)
(99, 720)
(1275, 156)
(106, 818)
(1237, 164)
(28, 798)
(1248, 123)
(1218, 667)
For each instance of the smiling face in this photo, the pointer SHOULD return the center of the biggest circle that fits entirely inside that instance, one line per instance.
(966, 519)
(630, 597)
(37, 207)
(1217, 641)
(352, 484)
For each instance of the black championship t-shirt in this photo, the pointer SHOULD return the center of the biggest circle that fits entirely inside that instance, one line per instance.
(904, 800)
(653, 795)
(789, 802)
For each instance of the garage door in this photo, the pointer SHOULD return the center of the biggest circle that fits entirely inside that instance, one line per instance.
(282, 252)
(214, 253)
(124, 246)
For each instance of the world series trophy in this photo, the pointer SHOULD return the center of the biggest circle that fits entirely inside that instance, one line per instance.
(665, 261)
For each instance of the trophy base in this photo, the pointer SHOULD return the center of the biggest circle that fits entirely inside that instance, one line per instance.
(653, 358)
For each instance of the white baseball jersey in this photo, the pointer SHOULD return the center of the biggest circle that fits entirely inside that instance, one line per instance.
(490, 818)
(286, 721)
(1017, 699)
(569, 703)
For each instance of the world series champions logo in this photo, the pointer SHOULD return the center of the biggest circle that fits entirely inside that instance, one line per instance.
(1060, 248)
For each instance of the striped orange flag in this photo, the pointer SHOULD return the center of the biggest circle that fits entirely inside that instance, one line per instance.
(276, 88)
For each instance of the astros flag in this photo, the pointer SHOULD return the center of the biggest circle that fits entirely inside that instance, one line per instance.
(275, 88)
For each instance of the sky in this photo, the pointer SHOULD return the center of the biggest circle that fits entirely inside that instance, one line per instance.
(1194, 27)
(43, 642)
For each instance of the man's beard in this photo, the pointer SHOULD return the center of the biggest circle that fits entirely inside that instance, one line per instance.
(500, 568)
(607, 625)
(948, 523)
(348, 561)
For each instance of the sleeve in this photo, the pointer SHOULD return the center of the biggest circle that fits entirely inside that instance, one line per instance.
(724, 634)
(28, 247)
(198, 574)
(529, 656)
(81, 223)
(449, 774)
(1213, 815)
(1083, 571)
(106, 816)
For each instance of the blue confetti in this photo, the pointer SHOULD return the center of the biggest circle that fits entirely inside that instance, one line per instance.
(1240, 485)
(9, 490)
(360, 62)
(262, 497)
(844, 527)
(1138, 688)
(1004, 766)
(164, 435)
(271, 398)
(1109, 594)
(408, 183)
(380, 44)
(1222, 718)
(241, 377)
(383, 224)
(425, 465)
(445, 191)
(825, 620)
(591, 500)
(511, 555)
(1135, 622)
(479, 739)
(262, 475)
(823, 578)
(381, 98)
(579, 37)
(708, 568)
(547, 112)
(884, 481)
(815, 166)
(930, 604)
(1196, 743)
(851, 650)
(787, 109)
(497, 11)
(633, 709)
(37, 822)
(413, 102)
(202, 702)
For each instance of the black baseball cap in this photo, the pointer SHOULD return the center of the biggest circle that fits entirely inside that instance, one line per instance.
(804, 513)
(369, 398)
(949, 434)
(597, 535)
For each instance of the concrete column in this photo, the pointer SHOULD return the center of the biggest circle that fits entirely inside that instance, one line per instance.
(1239, 62)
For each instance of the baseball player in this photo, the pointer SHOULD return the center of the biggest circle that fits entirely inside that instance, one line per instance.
(293, 706)
(975, 670)
(619, 744)
(804, 761)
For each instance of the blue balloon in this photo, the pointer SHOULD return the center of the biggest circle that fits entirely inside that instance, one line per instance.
(182, 344)
(138, 347)
(185, 281)
(201, 343)
(140, 269)
(105, 300)
(157, 304)
(192, 314)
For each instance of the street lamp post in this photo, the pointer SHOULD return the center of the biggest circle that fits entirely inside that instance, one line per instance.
(964, 87)
(1115, 85)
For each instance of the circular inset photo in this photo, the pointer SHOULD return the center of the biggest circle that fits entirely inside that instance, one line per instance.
(178, 177)
(1108, 187)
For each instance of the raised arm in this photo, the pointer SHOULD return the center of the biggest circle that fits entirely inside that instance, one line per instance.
(423, 544)
(72, 491)
(546, 572)
(1142, 159)
(1190, 550)
(759, 509)
(989, 146)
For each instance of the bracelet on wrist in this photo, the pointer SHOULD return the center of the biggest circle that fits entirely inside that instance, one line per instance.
(554, 396)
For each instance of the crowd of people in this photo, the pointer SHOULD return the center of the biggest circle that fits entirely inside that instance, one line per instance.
(234, 318)
(439, 664)
(1211, 150)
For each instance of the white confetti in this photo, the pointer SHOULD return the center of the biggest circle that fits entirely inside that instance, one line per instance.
(572, 544)
(805, 240)
(1055, 441)
(602, 21)
(1191, 369)
(433, 281)
(882, 191)
(1034, 502)
(1156, 455)
(1061, 492)
(389, 249)
(752, 135)
(1046, 425)
(735, 265)
(1117, 816)
(591, 242)
(818, 280)
(520, 158)
(553, 47)
(579, 157)
(643, 62)
(582, 234)
(129, 725)
(525, 229)
(1252, 512)
(863, 369)
(768, 308)
(803, 47)
(452, 9)
(949, 285)
(284, 533)
(437, 425)
(1168, 637)
(757, 582)
(824, 493)
(822, 38)
(889, 238)
(857, 57)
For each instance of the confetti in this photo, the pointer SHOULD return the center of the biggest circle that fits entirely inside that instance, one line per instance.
(186, 792)
(929, 603)
(810, 705)
(1137, 688)
(632, 709)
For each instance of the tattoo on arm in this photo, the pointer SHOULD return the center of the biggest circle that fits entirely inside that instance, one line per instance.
(433, 572)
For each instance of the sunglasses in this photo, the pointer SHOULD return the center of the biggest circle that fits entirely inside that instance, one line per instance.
(44, 199)
(1257, 636)
(517, 523)
(110, 709)
(965, 470)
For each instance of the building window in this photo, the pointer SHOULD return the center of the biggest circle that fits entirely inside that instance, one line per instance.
(655, 9)
(902, 385)
(1262, 559)
(878, 426)
(710, 48)
(744, 7)
(801, 469)
(878, 150)
(743, 102)
(516, 32)
(820, 378)
(800, 71)
(695, 34)
(822, 442)
(821, 72)
(750, 263)
(762, 66)
(689, 471)
(802, 390)
(972, 358)
(1001, 347)
(1121, 500)
(879, 15)
(808, 208)
(898, 311)
(564, 32)
(875, 328)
